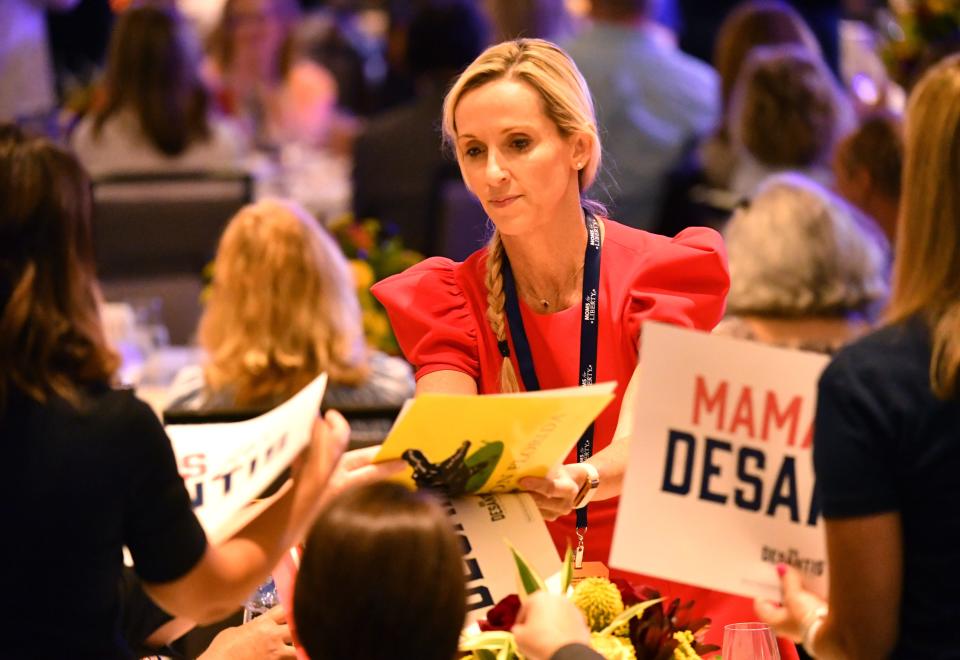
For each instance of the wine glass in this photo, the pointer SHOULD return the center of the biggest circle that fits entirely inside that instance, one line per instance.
(749, 641)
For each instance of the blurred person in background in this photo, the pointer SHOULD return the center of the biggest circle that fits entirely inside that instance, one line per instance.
(786, 114)
(259, 75)
(533, 19)
(282, 310)
(398, 162)
(155, 114)
(652, 101)
(805, 271)
(381, 578)
(750, 24)
(26, 73)
(885, 447)
(867, 168)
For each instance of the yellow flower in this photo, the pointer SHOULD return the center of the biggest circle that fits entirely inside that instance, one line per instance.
(612, 647)
(685, 650)
(363, 275)
(599, 600)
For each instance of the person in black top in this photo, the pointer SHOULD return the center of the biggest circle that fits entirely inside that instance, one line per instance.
(887, 438)
(89, 469)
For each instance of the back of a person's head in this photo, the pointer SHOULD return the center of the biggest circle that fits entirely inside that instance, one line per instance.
(444, 37)
(786, 108)
(381, 578)
(926, 277)
(282, 307)
(876, 149)
(51, 339)
(537, 19)
(751, 24)
(797, 251)
(153, 74)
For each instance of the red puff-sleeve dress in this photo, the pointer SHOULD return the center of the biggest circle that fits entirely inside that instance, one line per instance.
(438, 313)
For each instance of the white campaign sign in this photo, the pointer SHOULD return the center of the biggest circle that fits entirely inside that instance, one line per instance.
(225, 466)
(719, 484)
(484, 523)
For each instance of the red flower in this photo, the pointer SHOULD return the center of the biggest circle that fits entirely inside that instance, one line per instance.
(501, 616)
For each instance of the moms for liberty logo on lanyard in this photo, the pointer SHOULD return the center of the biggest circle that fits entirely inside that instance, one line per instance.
(589, 322)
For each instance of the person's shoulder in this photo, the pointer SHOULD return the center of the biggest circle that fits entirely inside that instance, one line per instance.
(895, 356)
(631, 239)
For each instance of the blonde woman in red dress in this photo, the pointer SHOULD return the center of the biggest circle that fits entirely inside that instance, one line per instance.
(558, 295)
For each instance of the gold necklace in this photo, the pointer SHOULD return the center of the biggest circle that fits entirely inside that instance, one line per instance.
(544, 302)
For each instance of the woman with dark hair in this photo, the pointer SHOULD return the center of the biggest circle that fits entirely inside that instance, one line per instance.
(888, 412)
(155, 114)
(381, 578)
(259, 75)
(90, 467)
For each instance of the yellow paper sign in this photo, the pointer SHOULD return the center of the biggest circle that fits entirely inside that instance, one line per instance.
(461, 444)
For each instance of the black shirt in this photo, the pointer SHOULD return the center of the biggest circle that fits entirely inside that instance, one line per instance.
(80, 486)
(885, 443)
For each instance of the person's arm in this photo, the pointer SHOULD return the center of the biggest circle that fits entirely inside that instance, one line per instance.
(228, 573)
(556, 496)
(550, 627)
(866, 575)
(446, 381)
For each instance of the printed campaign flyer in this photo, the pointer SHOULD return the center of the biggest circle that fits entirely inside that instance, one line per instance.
(462, 444)
(225, 466)
(719, 484)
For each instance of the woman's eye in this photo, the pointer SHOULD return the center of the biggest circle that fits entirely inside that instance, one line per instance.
(473, 152)
(520, 143)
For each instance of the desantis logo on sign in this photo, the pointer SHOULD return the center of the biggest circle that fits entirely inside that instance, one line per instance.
(720, 464)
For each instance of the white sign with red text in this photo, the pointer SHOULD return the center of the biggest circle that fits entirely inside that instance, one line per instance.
(719, 484)
(225, 466)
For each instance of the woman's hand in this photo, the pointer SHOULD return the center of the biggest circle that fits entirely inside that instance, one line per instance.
(546, 623)
(265, 638)
(357, 468)
(313, 469)
(555, 496)
(797, 611)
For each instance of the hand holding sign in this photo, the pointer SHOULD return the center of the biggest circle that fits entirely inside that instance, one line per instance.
(314, 467)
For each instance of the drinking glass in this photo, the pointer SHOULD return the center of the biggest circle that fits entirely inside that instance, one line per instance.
(263, 599)
(749, 641)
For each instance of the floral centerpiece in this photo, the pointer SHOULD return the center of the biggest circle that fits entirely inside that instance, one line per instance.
(917, 34)
(375, 252)
(626, 623)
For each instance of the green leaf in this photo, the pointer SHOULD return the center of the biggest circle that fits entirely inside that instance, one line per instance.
(566, 571)
(627, 614)
(529, 580)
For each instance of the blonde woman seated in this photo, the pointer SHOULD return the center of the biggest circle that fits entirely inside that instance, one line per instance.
(283, 310)
(806, 270)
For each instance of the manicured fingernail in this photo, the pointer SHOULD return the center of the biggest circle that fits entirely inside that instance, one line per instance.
(781, 569)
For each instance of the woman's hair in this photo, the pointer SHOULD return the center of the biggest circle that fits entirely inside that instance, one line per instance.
(282, 308)
(786, 109)
(567, 103)
(220, 43)
(152, 73)
(756, 23)
(926, 273)
(51, 339)
(381, 578)
(876, 147)
(798, 250)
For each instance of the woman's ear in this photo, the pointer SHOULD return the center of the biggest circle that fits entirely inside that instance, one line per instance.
(580, 155)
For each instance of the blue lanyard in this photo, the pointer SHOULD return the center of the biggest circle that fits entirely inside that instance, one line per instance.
(589, 323)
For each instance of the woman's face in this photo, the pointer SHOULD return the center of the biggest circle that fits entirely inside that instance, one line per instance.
(257, 30)
(513, 157)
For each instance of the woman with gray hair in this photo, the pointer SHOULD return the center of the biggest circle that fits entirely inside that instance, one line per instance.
(807, 270)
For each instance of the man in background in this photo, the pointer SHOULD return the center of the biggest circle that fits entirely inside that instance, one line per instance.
(653, 102)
